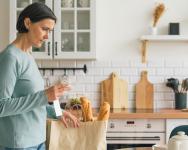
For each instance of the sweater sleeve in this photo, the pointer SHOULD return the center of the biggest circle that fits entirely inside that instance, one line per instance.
(51, 112)
(8, 76)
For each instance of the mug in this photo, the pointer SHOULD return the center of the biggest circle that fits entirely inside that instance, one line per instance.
(84, 3)
(159, 147)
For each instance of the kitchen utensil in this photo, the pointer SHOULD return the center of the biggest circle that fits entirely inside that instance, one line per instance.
(144, 93)
(178, 142)
(183, 86)
(115, 91)
(173, 83)
(186, 84)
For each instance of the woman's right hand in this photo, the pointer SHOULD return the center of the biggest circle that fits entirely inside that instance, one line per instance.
(56, 91)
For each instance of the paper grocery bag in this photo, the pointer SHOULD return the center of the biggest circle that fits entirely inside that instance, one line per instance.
(89, 136)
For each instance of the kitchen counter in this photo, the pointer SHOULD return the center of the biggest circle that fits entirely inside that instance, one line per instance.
(148, 113)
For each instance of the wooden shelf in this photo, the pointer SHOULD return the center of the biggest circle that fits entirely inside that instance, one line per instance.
(146, 38)
(148, 113)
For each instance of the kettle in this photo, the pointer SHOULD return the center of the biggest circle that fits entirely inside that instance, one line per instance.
(178, 142)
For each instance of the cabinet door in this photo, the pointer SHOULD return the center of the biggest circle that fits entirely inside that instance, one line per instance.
(74, 34)
(172, 123)
(16, 6)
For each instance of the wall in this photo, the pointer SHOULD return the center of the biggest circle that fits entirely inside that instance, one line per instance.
(119, 26)
(121, 23)
(4, 25)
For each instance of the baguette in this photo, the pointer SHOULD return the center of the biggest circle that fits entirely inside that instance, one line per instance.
(104, 112)
(87, 113)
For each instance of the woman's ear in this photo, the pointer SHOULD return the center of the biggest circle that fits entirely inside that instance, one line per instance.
(27, 23)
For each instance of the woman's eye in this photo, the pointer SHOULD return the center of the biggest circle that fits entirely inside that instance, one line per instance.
(47, 30)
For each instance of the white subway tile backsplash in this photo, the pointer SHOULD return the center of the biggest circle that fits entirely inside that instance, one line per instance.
(178, 71)
(131, 104)
(99, 79)
(158, 96)
(85, 79)
(78, 88)
(134, 79)
(161, 87)
(169, 96)
(89, 84)
(102, 64)
(131, 88)
(95, 71)
(185, 63)
(129, 71)
(108, 71)
(119, 64)
(137, 64)
(164, 71)
(154, 63)
(92, 88)
(173, 63)
(132, 96)
(156, 79)
(164, 104)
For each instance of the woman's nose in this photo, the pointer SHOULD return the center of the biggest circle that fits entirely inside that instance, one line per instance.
(46, 36)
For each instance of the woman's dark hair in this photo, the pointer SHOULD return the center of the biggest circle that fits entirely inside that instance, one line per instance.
(36, 12)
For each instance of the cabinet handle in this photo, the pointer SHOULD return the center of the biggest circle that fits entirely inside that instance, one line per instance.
(56, 48)
(49, 48)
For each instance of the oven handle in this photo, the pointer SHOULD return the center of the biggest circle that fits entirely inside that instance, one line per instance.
(157, 138)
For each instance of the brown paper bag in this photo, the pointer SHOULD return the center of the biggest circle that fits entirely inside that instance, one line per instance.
(89, 136)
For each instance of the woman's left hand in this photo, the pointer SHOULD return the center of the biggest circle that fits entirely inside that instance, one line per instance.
(68, 116)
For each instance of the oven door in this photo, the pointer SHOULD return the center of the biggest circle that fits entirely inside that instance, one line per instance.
(116, 140)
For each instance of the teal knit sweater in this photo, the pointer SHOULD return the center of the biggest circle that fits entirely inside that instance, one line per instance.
(22, 100)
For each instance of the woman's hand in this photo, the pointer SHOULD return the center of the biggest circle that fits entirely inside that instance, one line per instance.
(68, 116)
(56, 91)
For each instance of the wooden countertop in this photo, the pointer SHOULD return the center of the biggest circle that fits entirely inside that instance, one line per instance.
(148, 113)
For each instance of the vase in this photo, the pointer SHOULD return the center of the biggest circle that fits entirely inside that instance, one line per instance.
(153, 30)
(180, 100)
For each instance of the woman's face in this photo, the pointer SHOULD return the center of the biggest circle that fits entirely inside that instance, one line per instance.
(39, 31)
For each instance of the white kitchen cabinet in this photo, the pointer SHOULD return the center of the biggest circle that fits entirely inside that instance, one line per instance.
(172, 123)
(74, 34)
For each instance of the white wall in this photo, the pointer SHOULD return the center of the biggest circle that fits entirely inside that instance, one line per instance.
(120, 24)
(4, 23)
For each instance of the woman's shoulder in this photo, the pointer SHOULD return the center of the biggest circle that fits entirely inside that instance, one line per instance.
(12, 52)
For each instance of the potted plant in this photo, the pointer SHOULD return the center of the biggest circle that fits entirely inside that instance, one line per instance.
(159, 10)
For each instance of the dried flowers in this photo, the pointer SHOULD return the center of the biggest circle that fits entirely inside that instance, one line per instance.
(158, 13)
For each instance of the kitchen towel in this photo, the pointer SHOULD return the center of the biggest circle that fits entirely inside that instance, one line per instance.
(89, 136)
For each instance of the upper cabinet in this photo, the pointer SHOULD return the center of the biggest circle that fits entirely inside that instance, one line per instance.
(73, 36)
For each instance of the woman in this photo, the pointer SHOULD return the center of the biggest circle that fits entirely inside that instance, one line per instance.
(23, 99)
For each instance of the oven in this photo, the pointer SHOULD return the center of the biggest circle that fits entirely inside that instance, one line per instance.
(135, 132)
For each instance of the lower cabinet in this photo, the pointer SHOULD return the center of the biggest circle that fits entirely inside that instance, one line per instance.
(172, 123)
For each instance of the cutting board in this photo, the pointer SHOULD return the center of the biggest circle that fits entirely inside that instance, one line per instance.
(144, 93)
(115, 92)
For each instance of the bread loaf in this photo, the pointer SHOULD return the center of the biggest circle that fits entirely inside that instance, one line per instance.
(104, 112)
(87, 113)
